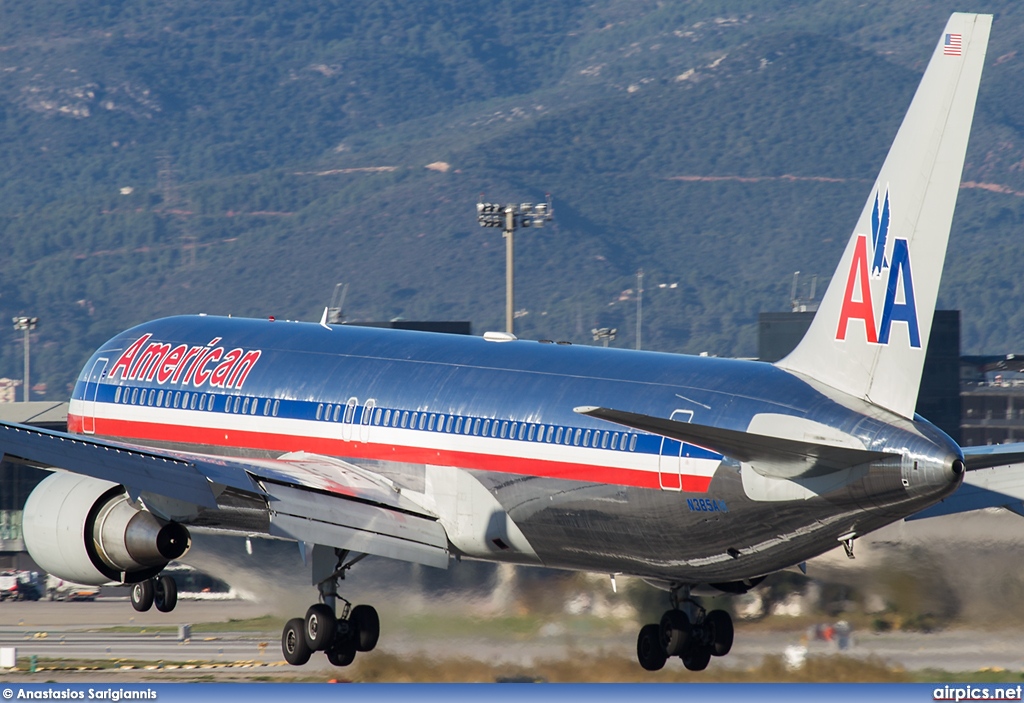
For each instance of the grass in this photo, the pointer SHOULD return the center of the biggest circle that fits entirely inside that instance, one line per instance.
(263, 624)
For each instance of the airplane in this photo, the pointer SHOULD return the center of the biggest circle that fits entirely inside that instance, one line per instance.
(688, 472)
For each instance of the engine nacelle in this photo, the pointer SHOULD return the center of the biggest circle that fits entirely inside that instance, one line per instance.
(86, 530)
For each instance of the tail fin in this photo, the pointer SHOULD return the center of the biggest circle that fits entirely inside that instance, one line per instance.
(871, 331)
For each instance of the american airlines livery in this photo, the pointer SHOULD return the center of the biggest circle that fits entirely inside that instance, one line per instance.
(690, 473)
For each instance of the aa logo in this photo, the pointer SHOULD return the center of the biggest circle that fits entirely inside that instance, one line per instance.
(871, 263)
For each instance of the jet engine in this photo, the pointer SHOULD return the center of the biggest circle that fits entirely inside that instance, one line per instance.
(86, 530)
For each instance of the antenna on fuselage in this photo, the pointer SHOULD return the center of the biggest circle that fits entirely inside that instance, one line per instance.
(333, 314)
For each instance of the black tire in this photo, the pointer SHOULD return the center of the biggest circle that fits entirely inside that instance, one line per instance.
(367, 625)
(676, 632)
(142, 595)
(320, 626)
(341, 653)
(293, 642)
(649, 650)
(720, 632)
(697, 658)
(165, 593)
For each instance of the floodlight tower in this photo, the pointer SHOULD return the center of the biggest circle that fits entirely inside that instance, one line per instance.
(509, 217)
(26, 324)
(605, 334)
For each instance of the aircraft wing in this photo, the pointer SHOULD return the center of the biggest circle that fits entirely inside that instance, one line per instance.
(305, 497)
(774, 457)
(994, 479)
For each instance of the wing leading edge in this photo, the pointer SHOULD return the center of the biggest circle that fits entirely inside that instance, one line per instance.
(304, 497)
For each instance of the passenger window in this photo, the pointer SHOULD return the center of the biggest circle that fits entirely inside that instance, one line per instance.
(586, 439)
(448, 424)
(551, 432)
(558, 436)
(277, 404)
(504, 429)
(135, 396)
(615, 440)
(458, 425)
(431, 421)
(245, 406)
(160, 398)
(255, 406)
(350, 410)
(235, 409)
(423, 421)
(266, 407)
(632, 443)
(377, 416)
(202, 402)
(476, 426)
(494, 428)
(487, 428)
(405, 419)
(532, 433)
(337, 412)
(117, 395)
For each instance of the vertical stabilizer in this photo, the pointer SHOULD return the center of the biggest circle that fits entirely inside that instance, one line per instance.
(871, 331)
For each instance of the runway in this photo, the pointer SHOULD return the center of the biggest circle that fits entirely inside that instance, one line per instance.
(78, 632)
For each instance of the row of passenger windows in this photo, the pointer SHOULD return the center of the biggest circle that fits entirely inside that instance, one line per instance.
(504, 429)
(404, 419)
(187, 400)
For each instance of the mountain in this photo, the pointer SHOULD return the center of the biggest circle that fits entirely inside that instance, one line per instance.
(243, 157)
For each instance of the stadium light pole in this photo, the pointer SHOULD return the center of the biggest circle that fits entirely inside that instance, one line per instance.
(25, 324)
(639, 306)
(509, 218)
(605, 334)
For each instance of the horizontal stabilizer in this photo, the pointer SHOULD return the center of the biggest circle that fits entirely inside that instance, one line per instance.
(993, 455)
(774, 457)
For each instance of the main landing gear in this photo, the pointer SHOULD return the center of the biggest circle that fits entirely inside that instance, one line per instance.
(686, 631)
(340, 636)
(161, 591)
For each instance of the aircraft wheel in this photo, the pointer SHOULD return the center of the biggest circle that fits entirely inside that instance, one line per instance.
(649, 650)
(142, 595)
(697, 658)
(165, 593)
(341, 653)
(720, 632)
(293, 642)
(676, 632)
(321, 626)
(367, 625)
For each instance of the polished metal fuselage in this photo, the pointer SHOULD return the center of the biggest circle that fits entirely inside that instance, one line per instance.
(580, 506)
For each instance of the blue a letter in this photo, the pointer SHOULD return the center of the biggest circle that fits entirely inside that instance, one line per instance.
(899, 270)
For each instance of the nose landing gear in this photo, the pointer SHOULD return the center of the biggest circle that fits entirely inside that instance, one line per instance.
(340, 636)
(686, 631)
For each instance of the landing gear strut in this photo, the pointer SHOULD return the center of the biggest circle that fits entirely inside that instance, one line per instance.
(324, 629)
(686, 631)
(161, 591)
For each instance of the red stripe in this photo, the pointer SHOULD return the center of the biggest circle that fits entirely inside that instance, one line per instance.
(273, 442)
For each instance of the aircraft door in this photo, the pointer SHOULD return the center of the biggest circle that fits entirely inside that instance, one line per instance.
(671, 459)
(365, 420)
(92, 387)
(348, 419)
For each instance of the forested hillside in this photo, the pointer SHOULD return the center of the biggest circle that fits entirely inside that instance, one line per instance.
(242, 157)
